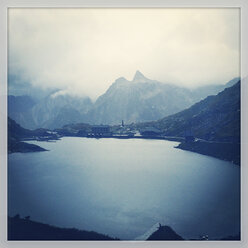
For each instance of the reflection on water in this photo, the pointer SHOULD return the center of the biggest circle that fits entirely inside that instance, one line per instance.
(123, 187)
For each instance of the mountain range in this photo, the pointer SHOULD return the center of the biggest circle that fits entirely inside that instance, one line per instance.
(139, 100)
(214, 121)
(143, 99)
(51, 111)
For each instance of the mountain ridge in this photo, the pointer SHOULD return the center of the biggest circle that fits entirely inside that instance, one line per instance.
(144, 99)
(139, 100)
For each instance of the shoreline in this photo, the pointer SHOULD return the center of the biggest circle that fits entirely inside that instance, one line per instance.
(221, 150)
(224, 151)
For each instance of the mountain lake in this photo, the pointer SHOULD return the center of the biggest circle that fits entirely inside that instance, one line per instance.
(122, 187)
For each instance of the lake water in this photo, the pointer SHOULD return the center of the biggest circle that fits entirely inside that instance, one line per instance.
(123, 187)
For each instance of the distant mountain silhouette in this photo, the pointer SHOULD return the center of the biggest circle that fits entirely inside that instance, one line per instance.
(53, 111)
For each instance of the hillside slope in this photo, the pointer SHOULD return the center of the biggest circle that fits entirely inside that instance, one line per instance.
(16, 134)
(216, 118)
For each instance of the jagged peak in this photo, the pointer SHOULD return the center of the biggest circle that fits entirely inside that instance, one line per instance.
(139, 77)
(120, 79)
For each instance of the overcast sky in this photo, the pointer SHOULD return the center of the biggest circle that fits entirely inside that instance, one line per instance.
(84, 51)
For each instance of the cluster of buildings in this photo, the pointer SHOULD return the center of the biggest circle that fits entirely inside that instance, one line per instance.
(122, 131)
(106, 131)
(100, 130)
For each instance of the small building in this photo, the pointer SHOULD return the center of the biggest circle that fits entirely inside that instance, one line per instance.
(150, 131)
(100, 129)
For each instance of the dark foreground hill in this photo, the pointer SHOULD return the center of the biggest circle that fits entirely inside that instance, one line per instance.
(16, 135)
(25, 229)
(17, 146)
(165, 233)
(225, 151)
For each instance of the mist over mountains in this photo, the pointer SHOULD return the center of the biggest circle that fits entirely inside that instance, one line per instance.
(49, 112)
(139, 100)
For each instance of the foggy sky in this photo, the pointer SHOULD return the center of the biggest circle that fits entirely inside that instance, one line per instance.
(83, 51)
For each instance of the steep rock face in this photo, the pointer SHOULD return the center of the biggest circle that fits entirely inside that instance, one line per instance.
(214, 118)
(136, 102)
(141, 99)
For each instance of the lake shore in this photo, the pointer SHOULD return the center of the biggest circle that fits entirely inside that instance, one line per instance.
(23, 147)
(224, 151)
(221, 150)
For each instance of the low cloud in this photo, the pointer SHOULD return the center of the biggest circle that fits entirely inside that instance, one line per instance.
(84, 50)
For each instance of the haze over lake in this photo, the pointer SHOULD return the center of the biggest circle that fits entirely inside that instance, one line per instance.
(123, 187)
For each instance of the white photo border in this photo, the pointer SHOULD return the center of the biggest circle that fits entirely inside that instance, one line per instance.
(5, 4)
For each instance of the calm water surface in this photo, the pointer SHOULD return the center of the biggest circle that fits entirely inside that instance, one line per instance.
(123, 187)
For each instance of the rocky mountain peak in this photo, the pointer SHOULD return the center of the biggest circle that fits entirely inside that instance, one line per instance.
(120, 80)
(139, 77)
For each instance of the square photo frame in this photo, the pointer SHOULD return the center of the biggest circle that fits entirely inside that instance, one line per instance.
(26, 56)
